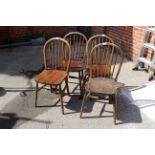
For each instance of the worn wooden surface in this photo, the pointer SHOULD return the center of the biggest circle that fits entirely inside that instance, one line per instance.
(51, 77)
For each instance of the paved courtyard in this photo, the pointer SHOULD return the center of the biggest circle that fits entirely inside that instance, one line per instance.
(18, 66)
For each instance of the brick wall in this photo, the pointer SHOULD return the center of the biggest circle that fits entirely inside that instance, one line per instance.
(138, 36)
(17, 33)
(11, 34)
(85, 30)
(4, 35)
(97, 30)
(129, 38)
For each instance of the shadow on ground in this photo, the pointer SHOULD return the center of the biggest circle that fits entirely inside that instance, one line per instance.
(74, 104)
(9, 120)
(22, 109)
(127, 111)
(2, 91)
(25, 61)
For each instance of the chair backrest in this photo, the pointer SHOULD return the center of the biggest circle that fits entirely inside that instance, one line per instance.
(77, 41)
(96, 39)
(57, 54)
(105, 60)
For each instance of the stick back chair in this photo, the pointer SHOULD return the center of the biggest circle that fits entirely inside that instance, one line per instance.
(105, 62)
(77, 43)
(57, 55)
(93, 41)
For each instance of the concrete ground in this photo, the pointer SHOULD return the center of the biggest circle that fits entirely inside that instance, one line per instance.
(18, 66)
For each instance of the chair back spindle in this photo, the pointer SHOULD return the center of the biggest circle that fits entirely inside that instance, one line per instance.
(57, 54)
(105, 61)
(77, 43)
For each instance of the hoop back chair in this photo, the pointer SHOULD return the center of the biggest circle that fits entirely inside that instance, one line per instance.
(77, 43)
(57, 55)
(105, 62)
(93, 41)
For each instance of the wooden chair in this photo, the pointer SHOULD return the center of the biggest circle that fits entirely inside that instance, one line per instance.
(77, 43)
(105, 62)
(56, 54)
(93, 41)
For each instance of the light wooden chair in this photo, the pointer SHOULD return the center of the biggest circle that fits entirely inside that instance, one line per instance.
(105, 62)
(77, 43)
(57, 55)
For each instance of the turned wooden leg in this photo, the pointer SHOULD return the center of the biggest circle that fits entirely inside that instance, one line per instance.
(61, 99)
(82, 105)
(80, 83)
(114, 102)
(51, 88)
(67, 86)
(36, 96)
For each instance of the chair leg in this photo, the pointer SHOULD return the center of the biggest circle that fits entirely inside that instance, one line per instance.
(66, 81)
(82, 105)
(55, 89)
(61, 99)
(114, 108)
(80, 83)
(85, 79)
(51, 88)
(36, 96)
(82, 76)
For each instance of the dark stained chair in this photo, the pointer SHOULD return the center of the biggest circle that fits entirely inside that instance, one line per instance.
(57, 55)
(77, 43)
(105, 62)
(93, 41)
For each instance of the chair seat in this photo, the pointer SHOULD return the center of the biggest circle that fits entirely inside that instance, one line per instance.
(51, 77)
(76, 65)
(102, 86)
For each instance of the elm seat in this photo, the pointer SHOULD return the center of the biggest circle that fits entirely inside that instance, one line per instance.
(99, 85)
(76, 66)
(54, 77)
